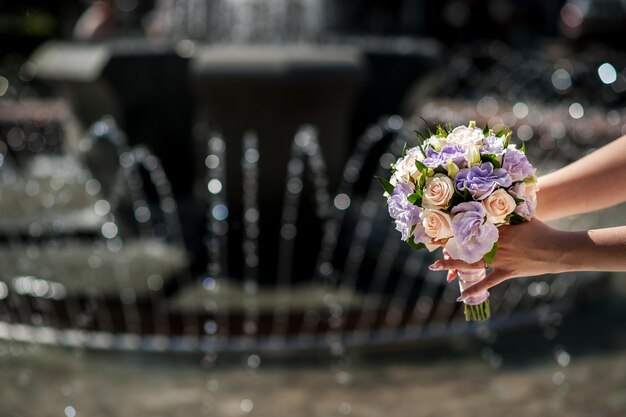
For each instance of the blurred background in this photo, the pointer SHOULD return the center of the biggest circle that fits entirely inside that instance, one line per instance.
(189, 226)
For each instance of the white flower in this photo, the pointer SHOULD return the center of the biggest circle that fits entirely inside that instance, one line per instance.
(498, 205)
(471, 138)
(464, 135)
(438, 191)
(405, 168)
(436, 142)
(472, 154)
(437, 224)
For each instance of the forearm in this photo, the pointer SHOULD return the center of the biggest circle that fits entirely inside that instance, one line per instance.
(593, 250)
(592, 183)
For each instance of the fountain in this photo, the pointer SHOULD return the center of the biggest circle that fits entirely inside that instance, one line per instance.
(286, 224)
(130, 287)
(270, 240)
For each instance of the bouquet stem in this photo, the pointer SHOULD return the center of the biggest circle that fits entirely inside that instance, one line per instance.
(476, 306)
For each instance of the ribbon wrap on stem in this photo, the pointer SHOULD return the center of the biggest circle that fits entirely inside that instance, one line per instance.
(467, 278)
(476, 307)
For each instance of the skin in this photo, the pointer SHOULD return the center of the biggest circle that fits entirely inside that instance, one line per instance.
(592, 183)
(95, 21)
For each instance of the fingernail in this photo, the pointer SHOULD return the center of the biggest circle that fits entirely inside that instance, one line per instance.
(434, 267)
(461, 299)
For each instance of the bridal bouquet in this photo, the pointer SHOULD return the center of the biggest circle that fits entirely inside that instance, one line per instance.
(454, 190)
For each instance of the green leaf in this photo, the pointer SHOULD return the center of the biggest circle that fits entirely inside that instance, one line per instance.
(414, 245)
(421, 182)
(466, 195)
(500, 133)
(404, 149)
(456, 199)
(387, 187)
(518, 200)
(420, 166)
(415, 198)
(419, 136)
(489, 157)
(516, 219)
(507, 138)
(463, 195)
(430, 132)
(491, 255)
(486, 129)
(523, 148)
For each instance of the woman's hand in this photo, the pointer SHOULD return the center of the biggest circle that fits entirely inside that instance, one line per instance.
(528, 249)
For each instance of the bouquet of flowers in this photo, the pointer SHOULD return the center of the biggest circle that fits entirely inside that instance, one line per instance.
(454, 190)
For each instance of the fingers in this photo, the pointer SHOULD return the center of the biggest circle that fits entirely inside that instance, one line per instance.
(451, 275)
(455, 264)
(491, 280)
(437, 242)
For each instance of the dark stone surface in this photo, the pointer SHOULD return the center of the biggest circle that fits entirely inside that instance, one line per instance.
(273, 91)
(142, 84)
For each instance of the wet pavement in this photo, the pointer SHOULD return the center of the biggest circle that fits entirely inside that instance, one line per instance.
(575, 369)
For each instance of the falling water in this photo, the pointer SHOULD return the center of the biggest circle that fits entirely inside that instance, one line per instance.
(242, 21)
(217, 240)
(250, 249)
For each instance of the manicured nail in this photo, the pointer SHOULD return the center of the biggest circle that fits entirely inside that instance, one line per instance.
(449, 279)
(434, 267)
(461, 299)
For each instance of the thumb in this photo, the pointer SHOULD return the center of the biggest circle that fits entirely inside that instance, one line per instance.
(491, 280)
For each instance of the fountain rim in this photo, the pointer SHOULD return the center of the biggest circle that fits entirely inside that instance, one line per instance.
(155, 343)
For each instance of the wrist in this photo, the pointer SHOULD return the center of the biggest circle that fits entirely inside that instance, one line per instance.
(550, 199)
(571, 252)
(556, 251)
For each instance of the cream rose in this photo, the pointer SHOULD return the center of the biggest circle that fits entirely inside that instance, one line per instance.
(498, 205)
(438, 191)
(437, 224)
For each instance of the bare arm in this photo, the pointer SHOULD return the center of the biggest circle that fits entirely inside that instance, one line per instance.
(594, 182)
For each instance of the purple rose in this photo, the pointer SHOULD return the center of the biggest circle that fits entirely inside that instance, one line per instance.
(481, 180)
(492, 144)
(528, 193)
(454, 151)
(517, 165)
(405, 214)
(420, 236)
(473, 237)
